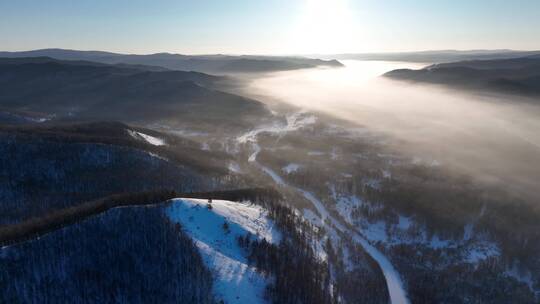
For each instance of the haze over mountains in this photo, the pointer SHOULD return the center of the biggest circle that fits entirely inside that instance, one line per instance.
(201, 63)
(516, 75)
(88, 90)
(315, 183)
(269, 152)
(439, 56)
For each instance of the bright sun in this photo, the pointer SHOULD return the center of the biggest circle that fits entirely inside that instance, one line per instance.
(325, 26)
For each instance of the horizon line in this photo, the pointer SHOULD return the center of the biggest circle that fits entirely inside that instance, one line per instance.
(277, 54)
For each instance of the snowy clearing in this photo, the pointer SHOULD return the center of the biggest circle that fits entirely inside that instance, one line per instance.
(235, 280)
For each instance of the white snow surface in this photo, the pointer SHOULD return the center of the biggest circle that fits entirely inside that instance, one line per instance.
(290, 168)
(345, 205)
(234, 167)
(235, 281)
(404, 222)
(294, 122)
(149, 139)
(474, 247)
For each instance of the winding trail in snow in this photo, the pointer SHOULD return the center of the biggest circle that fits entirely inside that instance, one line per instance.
(394, 283)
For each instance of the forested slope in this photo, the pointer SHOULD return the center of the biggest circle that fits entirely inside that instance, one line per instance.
(127, 255)
(48, 167)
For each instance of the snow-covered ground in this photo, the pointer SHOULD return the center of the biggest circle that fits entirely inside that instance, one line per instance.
(235, 281)
(522, 276)
(149, 139)
(234, 167)
(474, 247)
(277, 179)
(395, 285)
(296, 121)
(290, 168)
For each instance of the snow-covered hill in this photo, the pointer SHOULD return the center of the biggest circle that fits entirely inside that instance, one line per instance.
(156, 141)
(214, 228)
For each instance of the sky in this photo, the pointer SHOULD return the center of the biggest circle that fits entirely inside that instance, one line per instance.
(269, 26)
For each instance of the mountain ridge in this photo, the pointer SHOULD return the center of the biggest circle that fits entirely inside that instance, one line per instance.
(88, 90)
(199, 63)
(439, 56)
(519, 76)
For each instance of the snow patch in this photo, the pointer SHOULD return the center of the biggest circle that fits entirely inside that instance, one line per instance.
(189, 133)
(481, 251)
(235, 280)
(404, 222)
(35, 119)
(291, 168)
(521, 276)
(376, 232)
(334, 155)
(313, 218)
(295, 122)
(149, 139)
(373, 183)
(345, 205)
(438, 243)
(468, 231)
(234, 167)
(347, 261)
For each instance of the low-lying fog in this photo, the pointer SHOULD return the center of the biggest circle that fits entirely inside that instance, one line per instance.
(496, 138)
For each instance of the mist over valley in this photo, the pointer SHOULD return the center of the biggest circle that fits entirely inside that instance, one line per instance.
(263, 152)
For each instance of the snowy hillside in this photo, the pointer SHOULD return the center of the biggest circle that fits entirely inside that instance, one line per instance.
(147, 138)
(214, 228)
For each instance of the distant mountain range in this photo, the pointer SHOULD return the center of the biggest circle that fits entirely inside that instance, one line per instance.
(199, 63)
(89, 90)
(439, 56)
(516, 76)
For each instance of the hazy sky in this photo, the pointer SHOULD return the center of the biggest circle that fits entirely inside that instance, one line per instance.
(269, 26)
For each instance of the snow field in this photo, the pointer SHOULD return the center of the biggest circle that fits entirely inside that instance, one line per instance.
(235, 281)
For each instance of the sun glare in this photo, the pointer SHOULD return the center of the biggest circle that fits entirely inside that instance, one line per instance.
(325, 26)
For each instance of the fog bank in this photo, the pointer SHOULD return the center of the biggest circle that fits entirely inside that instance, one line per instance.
(495, 138)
